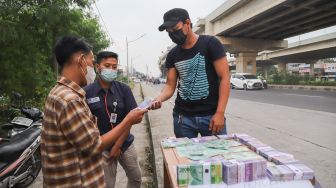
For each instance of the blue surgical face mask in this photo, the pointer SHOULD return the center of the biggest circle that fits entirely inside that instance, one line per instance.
(108, 75)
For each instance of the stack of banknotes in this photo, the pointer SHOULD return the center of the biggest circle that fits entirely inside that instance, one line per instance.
(233, 159)
(216, 172)
(290, 172)
(235, 171)
(266, 151)
(199, 174)
(173, 142)
(277, 157)
(204, 139)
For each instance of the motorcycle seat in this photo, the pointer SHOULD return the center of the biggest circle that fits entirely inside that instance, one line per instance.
(32, 113)
(10, 151)
(3, 165)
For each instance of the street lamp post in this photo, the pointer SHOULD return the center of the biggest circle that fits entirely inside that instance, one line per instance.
(127, 42)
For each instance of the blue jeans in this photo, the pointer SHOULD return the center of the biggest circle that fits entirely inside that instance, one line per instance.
(190, 126)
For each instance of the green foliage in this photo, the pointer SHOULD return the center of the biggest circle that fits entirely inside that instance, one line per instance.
(28, 32)
(294, 79)
(291, 79)
(123, 79)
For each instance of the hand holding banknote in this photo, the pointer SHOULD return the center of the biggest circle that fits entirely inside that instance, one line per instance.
(146, 104)
(156, 104)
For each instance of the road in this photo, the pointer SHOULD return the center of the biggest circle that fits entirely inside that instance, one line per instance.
(313, 100)
(301, 123)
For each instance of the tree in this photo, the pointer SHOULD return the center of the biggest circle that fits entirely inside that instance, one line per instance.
(28, 31)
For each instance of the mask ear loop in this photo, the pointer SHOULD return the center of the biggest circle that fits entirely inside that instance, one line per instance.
(82, 56)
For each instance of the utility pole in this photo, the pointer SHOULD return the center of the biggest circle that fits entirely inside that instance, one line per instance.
(127, 61)
(127, 42)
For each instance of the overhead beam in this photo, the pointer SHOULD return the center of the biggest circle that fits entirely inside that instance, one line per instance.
(235, 45)
(307, 26)
(244, 13)
(293, 20)
(262, 23)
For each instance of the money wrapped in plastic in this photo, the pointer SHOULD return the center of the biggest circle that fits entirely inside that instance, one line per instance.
(199, 174)
(290, 172)
(204, 139)
(237, 171)
(173, 142)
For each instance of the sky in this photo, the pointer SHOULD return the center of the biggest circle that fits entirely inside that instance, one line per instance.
(133, 18)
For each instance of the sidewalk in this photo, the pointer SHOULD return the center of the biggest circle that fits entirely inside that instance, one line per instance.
(142, 146)
(161, 124)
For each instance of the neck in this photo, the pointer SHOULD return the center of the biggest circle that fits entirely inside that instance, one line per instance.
(103, 84)
(72, 75)
(191, 41)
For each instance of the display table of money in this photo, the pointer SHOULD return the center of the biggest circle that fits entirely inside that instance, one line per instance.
(232, 161)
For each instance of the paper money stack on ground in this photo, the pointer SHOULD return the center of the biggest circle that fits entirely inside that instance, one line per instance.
(233, 159)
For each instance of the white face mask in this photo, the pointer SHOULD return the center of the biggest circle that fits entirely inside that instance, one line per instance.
(90, 74)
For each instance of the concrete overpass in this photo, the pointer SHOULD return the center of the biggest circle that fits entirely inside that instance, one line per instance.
(305, 51)
(312, 49)
(247, 27)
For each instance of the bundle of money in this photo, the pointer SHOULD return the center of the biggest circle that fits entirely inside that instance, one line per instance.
(238, 149)
(204, 139)
(216, 173)
(200, 173)
(182, 175)
(237, 171)
(230, 172)
(256, 145)
(280, 173)
(226, 136)
(290, 172)
(238, 135)
(196, 174)
(173, 142)
(284, 159)
(190, 174)
(221, 144)
(276, 156)
(244, 138)
(302, 172)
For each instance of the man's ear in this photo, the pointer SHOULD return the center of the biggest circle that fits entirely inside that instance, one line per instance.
(187, 21)
(97, 67)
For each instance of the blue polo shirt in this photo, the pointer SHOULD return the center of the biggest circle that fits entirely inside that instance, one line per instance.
(119, 100)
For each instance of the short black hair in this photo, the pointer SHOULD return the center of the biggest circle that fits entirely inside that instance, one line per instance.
(66, 46)
(106, 54)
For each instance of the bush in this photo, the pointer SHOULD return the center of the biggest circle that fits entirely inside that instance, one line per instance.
(123, 79)
(291, 79)
(294, 79)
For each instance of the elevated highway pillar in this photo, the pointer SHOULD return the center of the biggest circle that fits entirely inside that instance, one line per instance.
(312, 72)
(282, 68)
(246, 62)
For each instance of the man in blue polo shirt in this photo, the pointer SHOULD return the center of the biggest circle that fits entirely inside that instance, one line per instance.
(110, 101)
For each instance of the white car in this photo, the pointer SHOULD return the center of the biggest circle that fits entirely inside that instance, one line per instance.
(163, 80)
(245, 81)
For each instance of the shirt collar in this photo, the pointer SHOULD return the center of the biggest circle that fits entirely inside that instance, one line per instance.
(98, 88)
(72, 85)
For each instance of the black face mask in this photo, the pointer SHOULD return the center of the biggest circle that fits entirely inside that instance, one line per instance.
(178, 37)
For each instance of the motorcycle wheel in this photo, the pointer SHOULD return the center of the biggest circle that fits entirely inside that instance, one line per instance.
(35, 164)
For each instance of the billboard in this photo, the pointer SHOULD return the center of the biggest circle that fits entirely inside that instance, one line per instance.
(330, 67)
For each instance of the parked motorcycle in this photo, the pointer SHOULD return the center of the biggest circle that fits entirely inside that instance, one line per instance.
(20, 158)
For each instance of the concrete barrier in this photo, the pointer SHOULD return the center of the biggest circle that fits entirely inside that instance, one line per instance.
(303, 87)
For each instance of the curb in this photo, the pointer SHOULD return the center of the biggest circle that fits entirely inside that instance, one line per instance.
(303, 87)
(151, 142)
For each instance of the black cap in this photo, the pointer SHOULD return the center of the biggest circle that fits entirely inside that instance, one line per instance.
(172, 17)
